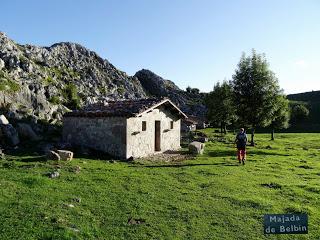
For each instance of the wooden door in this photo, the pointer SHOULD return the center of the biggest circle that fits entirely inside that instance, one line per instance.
(157, 136)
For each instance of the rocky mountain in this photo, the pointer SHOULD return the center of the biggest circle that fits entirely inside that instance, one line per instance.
(42, 83)
(190, 102)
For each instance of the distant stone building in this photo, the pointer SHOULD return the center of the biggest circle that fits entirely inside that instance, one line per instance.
(193, 123)
(128, 128)
(188, 125)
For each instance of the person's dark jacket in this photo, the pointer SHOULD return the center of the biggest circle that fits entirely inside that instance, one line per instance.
(241, 140)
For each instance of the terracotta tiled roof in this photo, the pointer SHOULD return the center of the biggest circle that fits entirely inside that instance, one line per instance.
(121, 108)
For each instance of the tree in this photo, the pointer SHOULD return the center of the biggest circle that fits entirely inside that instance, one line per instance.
(255, 89)
(192, 90)
(220, 105)
(281, 115)
(299, 112)
(195, 91)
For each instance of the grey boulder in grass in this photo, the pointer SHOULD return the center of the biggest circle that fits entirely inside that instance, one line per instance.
(196, 148)
(65, 155)
(54, 174)
(52, 155)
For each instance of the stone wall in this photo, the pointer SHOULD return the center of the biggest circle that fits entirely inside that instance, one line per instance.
(104, 134)
(123, 137)
(142, 143)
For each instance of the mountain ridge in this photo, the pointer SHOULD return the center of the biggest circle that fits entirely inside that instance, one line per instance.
(45, 82)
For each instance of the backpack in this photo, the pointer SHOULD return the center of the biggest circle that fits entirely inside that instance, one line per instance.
(241, 140)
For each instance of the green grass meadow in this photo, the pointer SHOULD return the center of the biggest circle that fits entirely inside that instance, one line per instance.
(209, 197)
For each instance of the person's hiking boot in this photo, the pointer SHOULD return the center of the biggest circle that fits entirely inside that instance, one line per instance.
(239, 161)
(243, 161)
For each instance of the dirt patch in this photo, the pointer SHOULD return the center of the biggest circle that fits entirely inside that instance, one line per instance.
(169, 156)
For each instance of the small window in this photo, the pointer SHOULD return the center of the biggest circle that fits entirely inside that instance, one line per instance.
(171, 124)
(144, 125)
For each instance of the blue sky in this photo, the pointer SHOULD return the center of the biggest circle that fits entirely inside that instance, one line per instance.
(191, 42)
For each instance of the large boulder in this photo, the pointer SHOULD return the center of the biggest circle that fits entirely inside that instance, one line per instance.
(2, 156)
(2, 64)
(196, 148)
(26, 131)
(3, 120)
(52, 155)
(65, 155)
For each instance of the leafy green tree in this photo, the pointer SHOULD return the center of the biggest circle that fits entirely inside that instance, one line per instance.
(220, 105)
(255, 90)
(281, 115)
(299, 112)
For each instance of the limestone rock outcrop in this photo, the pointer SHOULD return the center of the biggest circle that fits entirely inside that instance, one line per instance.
(43, 83)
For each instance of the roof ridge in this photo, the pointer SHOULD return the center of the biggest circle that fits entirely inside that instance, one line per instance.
(122, 108)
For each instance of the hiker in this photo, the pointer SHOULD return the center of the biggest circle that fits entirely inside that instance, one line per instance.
(241, 141)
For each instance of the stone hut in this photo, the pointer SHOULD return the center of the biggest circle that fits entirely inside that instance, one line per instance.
(127, 128)
(188, 125)
(200, 123)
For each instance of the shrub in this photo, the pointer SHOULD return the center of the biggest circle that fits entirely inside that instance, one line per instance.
(70, 93)
(121, 90)
(49, 80)
(23, 59)
(55, 100)
(102, 90)
(9, 85)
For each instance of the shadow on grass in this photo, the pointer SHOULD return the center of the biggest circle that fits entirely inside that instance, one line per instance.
(222, 153)
(227, 153)
(32, 159)
(97, 156)
(186, 165)
(23, 155)
(261, 152)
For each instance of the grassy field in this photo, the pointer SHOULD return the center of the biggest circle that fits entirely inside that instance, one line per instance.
(210, 197)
